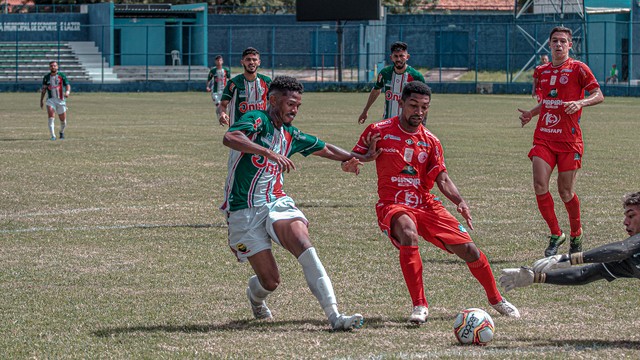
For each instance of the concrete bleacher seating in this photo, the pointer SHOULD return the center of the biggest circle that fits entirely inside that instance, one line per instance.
(162, 73)
(31, 59)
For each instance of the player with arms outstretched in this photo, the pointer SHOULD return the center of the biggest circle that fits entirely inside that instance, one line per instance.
(411, 162)
(557, 140)
(57, 88)
(257, 209)
(391, 80)
(244, 92)
(609, 262)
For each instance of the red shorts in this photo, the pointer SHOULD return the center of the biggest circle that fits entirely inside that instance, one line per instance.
(434, 223)
(567, 156)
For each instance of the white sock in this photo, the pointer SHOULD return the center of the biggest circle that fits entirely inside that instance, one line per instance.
(52, 126)
(258, 293)
(63, 125)
(319, 282)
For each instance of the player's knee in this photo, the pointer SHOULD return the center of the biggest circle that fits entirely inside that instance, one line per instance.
(468, 252)
(271, 283)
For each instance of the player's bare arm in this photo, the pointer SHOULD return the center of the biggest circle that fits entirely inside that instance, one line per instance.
(450, 191)
(68, 91)
(42, 92)
(222, 110)
(373, 95)
(594, 98)
(238, 141)
(526, 116)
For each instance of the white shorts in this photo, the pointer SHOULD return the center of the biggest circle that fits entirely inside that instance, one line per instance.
(251, 230)
(216, 96)
(59, 105)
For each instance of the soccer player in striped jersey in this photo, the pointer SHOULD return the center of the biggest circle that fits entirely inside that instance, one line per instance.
(217, 80)
(257, 209)
(57, 88)
(391, 80)
(244, 92)
(411, 163)
(611, 261)
(557, 140)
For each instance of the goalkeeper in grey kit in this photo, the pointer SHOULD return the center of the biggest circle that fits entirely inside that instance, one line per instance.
(611, 261)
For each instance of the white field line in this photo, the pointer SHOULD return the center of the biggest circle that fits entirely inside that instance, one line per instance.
(111, 227)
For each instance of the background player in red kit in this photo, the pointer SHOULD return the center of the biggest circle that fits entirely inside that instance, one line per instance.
(410, 163)
(558, 139)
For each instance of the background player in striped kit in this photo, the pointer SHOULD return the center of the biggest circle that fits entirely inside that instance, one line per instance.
(391, 80)
(57, 88)
(244, 92)
(217, 80)
(257, 209)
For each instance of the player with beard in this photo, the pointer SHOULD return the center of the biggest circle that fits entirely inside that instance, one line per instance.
(57, 88)
(392, 79)
(259, 212)
(411, 162)
(557, 140)
(244, 92)
(611, 261)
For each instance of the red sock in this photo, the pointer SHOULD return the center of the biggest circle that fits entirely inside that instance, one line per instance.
(481, 270)
(548, 212)
(573, 208)
(411, 265)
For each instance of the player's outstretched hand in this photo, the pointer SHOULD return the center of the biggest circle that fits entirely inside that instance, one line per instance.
(464, 210)
(352, 165)
(552, 263)
(525, 117)
(363, 117)
(514, 278)
(224, 119)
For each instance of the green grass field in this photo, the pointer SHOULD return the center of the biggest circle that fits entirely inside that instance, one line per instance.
(113, 247)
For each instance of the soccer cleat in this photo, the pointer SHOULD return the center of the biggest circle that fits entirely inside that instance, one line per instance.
(575, 243)
(506, 308)
(346, 322)
(554, 243)
(53, 137)
(61, 136)
(419, 315)
(260, 309)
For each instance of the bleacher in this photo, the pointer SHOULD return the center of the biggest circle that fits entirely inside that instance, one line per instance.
(33, 59)
(162, 73)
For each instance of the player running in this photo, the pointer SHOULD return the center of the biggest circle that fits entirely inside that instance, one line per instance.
(245, 92)
(392, 79)
(57, 88)
(217, 80)
(609, 262)
(558, 139)
(412, 161)
(257, 209)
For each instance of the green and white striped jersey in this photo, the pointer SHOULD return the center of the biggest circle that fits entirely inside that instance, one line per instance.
(391, 85)
(252, 180)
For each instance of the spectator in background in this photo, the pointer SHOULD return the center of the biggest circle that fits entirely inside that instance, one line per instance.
(535, 91)
(613, 75)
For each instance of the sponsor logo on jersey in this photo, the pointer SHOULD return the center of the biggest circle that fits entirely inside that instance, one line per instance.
(241, 247)
(382, 123)
(422, 157)
(257, 124)
(261, 162)
(408, 198)
(409, 142)
(566, 71)
(406, 181)
(461, 228)
(408, 169)
(391, 96)
(576, 156)
(554, 93)
(564, 79)
(391, 137)
(245, 106)
(389, 150)
(423, 144)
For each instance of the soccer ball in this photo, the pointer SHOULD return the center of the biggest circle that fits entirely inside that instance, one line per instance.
(473, 326)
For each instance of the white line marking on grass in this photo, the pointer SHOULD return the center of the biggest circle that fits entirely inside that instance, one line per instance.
(112, 227)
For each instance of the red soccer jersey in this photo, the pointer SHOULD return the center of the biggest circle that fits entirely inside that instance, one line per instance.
(408, 165)
(559, 84)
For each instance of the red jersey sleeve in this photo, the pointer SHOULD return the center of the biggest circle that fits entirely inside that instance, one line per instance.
(361, 147)
(435, 162)
(587, 79)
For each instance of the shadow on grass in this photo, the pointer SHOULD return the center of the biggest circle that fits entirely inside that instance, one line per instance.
(583, 344)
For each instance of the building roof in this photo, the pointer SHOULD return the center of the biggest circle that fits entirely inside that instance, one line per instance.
(475, 5)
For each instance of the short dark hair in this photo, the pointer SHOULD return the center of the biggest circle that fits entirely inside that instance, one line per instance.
(218, 57)
(52, 61)
(284, 84)
(631, 199)
(561, 29)
(250, 50)
(415, 87)
(399, 46)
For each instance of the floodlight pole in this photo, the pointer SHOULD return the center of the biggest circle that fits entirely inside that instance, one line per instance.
(340, 33)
